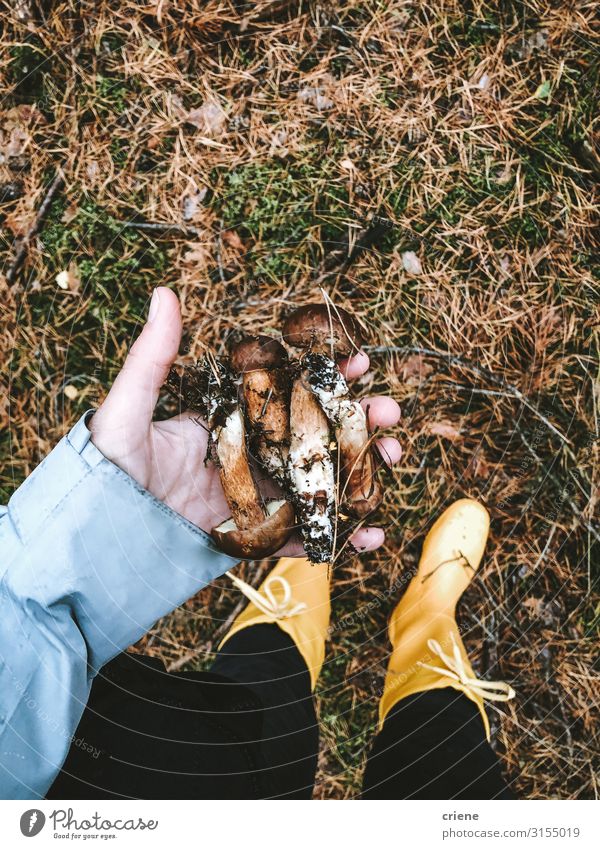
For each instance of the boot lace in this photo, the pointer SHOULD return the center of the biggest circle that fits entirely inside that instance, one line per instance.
(495, 691)
(267, 602)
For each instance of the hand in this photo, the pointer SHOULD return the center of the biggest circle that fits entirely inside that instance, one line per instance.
(167, 458)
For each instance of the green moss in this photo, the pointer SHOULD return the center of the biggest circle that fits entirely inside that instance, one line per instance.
(277, 207)
(27, 67)
(118, 268)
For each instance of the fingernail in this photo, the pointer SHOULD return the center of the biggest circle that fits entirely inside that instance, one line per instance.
(154, 303)
(369, 539)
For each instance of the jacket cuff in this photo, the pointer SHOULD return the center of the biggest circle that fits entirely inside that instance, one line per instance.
(86, 535)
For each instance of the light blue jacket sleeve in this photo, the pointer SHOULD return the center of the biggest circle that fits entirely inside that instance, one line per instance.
(89, 560)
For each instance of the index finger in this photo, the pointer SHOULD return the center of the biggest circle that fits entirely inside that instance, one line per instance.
(353, 367)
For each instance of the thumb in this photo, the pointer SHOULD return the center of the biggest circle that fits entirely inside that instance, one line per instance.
(133, 396)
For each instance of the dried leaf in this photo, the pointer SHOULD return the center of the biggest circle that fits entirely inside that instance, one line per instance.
(210, 118)
(411, 263)
(231, 238)
(71, 392)
(445, 429)
(278, 144)
(538, 609)
(534, 43)
(505, 176)
(176, 107)
(16, 223)
(70, 213)
(198, 255)
(318, 95)
(17, 142)
(191, 203)
(478, 467)
(92, 171)
(69, 280)
(415, 369)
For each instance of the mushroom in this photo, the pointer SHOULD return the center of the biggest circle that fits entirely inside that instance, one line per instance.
(253, 531)
(361, 492)
(310, 472)
(262, 362)
(327, 332)
(324, 329)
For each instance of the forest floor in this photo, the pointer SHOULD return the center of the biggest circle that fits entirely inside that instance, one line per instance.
(433, 165)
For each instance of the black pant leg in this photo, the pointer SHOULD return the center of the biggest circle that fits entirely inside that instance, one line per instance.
(150, 734)
(433, 746)
(266, 661)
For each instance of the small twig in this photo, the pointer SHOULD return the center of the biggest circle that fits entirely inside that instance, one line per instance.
(545, 549)
(266, 404)
(514, 393)
(23, 248)
(481, 372)
(165, 228)
(586, 524)
(340, 260)
(466, 565)
(219, 256)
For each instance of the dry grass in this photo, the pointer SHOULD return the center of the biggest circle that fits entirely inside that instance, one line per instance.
(267, 141)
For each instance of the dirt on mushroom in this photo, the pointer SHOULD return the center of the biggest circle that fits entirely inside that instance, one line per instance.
(290, 431)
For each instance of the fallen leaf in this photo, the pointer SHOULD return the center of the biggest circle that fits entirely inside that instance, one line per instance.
(191, 203)
(537, 41)
(17, 142)
(176, 106)
(92, 170)
(27, 113)
(198, 255)
(231, 238)
(478, 467)
(69, 280)
(16, 224)
(445, 429)
(411, 263)
(70, 213)
(535, 606)
(210, 118)
(543, 90)
(415, 369)
(318, 95)
(71, 392)
(278, 144)
(505, 176)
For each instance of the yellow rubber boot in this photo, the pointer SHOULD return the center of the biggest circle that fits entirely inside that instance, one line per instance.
(294, 596)
(428, 652)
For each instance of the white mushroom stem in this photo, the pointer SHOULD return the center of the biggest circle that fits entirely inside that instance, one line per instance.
(311, 475)
(360, 488)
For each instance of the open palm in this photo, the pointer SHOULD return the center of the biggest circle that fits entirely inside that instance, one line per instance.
(168, 458)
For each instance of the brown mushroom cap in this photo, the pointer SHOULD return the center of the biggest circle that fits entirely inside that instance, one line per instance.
(321, 327)
(260, 541)
(258, 352)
